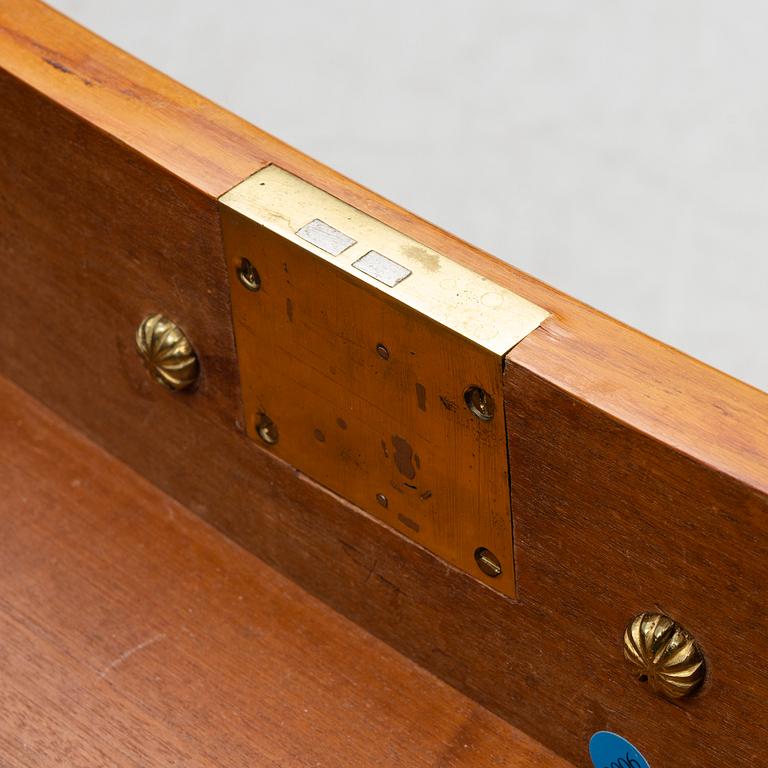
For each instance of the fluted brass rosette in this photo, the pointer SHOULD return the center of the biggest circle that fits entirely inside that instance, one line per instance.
(664, 655)
(167, 353)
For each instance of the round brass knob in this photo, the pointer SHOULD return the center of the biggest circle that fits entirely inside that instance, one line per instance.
(663, 654)
(167, 353)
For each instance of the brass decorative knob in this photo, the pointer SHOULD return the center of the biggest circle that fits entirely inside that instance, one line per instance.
(664, 655)
(167, 353)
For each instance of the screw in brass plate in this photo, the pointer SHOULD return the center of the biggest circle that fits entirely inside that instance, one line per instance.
(663, 654)
(382, 351)
(480, 403)
(248, 276)
(266, 429)
(167, 353)
(487, 562)
(382, 499)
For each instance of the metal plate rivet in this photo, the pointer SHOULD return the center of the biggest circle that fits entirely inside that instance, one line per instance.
(487, 562)
(248, 276)
(480, 403)
(266, 429)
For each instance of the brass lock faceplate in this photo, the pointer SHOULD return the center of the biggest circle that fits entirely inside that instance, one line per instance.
(374, 365)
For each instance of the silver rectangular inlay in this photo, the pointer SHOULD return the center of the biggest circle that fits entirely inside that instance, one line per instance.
(381, 268)
(326, 237)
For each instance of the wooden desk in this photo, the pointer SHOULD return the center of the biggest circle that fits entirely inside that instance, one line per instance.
(638, 479)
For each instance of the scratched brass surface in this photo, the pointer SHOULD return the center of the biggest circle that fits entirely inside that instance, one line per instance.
(360, 390)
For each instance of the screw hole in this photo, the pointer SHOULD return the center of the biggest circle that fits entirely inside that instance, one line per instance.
(248, 276)
(480, 403)
(487, 562)
(383, 351)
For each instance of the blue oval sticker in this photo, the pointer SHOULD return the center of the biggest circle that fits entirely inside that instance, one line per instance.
(608, 750)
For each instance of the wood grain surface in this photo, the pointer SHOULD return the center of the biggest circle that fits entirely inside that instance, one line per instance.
(641, 381)
(610, 522)
(133, 634)
(639, 476)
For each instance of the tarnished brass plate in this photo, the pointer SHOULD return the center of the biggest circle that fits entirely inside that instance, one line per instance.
(449, 293)
(355, 356)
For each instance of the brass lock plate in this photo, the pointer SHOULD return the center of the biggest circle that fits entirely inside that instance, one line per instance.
(374, 365)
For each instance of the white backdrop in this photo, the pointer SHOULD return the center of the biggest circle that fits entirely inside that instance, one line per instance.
(616, 149)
